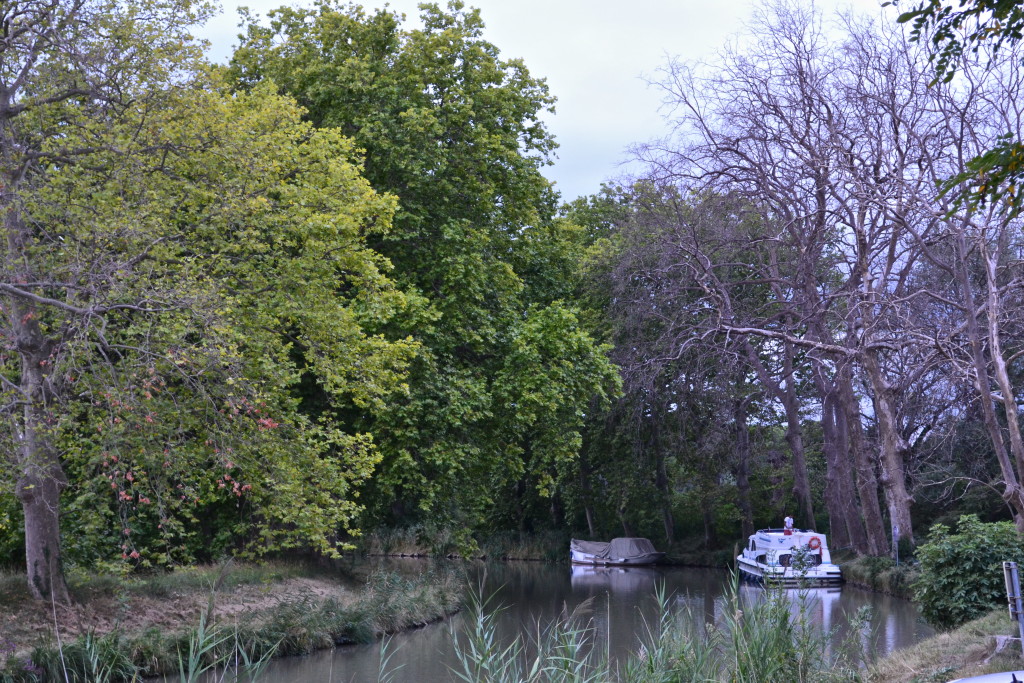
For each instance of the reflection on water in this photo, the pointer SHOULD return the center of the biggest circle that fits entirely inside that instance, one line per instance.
(622, 604)
(620, 580)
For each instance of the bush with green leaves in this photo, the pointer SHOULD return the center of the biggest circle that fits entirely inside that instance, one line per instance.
(961, 573)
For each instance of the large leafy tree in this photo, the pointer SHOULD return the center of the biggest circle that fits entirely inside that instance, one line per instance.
(454, 131)
(176, 260)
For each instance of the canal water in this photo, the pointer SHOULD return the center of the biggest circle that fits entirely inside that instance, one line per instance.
(621, 604)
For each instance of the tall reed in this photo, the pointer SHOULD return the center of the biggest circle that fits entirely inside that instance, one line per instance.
(763, 640)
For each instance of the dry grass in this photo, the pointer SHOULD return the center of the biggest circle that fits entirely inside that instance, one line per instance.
(971, 650)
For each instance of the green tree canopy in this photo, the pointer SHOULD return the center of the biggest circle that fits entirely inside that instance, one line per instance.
(454, 131)
(177, 259)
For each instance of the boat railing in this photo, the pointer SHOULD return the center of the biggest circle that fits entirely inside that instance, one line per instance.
(781, 530)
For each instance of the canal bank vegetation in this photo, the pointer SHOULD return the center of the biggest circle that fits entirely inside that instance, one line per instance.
(199, 617)
(420, 541)
(882, 575)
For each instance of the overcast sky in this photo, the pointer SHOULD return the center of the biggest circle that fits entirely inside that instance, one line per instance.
(596, 56)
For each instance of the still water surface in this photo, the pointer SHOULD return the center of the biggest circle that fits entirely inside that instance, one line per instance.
(529, 593)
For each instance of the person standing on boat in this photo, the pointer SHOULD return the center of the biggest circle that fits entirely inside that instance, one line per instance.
(787, 526)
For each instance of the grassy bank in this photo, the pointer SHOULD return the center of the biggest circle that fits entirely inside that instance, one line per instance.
(976, 648)
(880, 574)
(503, 545)
(192, 618)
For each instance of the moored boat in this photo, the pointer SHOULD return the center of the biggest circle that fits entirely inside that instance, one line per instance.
(619, 552)
(800, 557)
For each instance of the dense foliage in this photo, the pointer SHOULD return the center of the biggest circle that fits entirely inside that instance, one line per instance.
(506, 371)
(962, 571)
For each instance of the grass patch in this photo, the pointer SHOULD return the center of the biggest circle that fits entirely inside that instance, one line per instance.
(406, 542)
(199, 578)
(13, 589)
(970, 650)
(551, 546)
(419, 541)
(238, 613)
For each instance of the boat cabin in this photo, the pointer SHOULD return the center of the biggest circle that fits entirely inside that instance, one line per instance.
(790, 556)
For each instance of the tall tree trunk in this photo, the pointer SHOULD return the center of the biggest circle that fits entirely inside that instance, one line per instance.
(40, 475)
(587, 493)
(708, 517)
(627, 528)
(999, 369)
(557, 511)
(892, 448)
(864, 467)
(39, 494)
(1012, 492)
(661, 480)
(742, 441)
(845, 513)
(801, 482)
(38, 489)
(786, 395)
(844, 510)
(662, 483)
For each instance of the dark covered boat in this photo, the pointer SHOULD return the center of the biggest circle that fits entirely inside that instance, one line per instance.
(620, 552)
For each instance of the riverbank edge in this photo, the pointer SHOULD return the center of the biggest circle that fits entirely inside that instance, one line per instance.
(293, 625)
(983, 646)
(877, 574)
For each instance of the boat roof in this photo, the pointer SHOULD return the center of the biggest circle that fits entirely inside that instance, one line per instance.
(796, 532)
(777, 538)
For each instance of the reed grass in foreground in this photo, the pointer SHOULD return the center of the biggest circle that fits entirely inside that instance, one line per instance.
(763, 642)
(298, 625)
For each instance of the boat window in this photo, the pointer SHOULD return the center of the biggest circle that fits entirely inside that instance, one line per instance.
(784, 559)
(752, 544)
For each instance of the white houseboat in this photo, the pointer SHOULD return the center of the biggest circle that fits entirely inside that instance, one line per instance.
(797, 558)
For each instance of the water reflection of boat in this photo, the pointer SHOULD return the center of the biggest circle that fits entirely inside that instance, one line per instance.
(615, 579)
(620, 552)
(819, 606)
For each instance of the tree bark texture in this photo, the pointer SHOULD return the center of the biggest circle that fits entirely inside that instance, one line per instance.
(1012, 492)
(864, 466)
(742, 440)
(892, 448)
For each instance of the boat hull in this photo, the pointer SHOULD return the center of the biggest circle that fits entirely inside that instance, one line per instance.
(759, 572)
(581, 558)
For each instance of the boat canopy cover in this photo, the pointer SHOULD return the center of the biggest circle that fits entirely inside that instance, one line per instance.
(619, 547)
